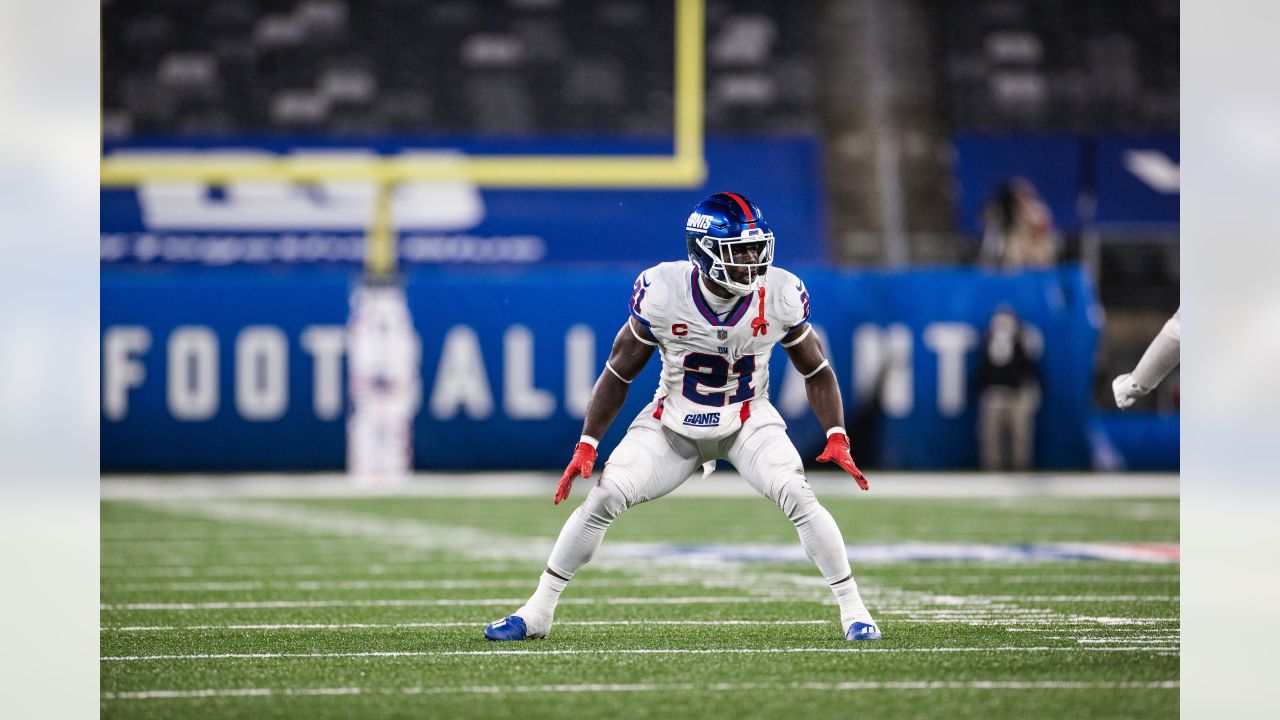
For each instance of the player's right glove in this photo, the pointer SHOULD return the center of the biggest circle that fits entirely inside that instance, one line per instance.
(584, 458)
(837, 451)
(1126, 390)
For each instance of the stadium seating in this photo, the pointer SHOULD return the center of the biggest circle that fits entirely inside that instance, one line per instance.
(534, 66)
(1087, 66)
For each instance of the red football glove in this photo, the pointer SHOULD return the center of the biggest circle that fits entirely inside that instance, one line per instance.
(584, 458)
(837, 451)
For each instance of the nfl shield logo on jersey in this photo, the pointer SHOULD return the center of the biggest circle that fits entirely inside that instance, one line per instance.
(722, 334)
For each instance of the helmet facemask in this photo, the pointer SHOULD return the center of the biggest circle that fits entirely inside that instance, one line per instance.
(739, 264)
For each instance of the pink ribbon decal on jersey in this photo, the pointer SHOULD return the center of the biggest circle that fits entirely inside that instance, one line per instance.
(760, 326)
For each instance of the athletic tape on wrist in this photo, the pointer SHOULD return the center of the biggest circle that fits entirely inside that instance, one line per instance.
(589, 440)
(836, 429)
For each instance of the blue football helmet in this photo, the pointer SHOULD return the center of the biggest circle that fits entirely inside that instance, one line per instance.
(730, 242)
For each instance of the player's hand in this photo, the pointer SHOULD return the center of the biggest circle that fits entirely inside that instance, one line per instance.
(1126, 390)
(584, 458)
(837, 451)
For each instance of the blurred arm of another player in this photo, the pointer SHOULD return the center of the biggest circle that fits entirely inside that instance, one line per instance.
(632, 348)
(1161, 357)
(807, 354)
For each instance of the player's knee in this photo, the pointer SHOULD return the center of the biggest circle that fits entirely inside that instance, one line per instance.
(605, 502)
(796, 499)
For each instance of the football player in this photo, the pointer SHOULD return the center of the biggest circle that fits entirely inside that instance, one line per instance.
(1159, 359)
(715, 319)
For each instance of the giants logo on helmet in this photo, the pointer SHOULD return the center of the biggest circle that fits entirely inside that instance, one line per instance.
(698, 221)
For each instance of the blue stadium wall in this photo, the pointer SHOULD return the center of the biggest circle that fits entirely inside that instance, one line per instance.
(571, 317)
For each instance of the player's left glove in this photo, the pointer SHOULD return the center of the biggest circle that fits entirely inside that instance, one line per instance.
(1126, 390)
(837, 451)
(584, 458)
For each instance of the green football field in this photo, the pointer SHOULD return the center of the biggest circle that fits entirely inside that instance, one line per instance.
(346, 607)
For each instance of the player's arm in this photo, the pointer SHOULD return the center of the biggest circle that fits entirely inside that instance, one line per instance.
(1159, 359)
(632, 348)
(810, 359)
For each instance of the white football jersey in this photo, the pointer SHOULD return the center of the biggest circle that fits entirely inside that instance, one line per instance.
(713, 367)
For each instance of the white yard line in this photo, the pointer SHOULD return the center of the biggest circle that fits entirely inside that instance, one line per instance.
(868, 583)
(527, 583)
(192, 586)
(1136, 625)
(650, 687)
(1139, 625)
(461, 602)
(221, 542)
(378, 566)
(1033, 625)
(953, 613)
(1081, 598)
(1030, 573)
(997, 579)
(473, 624)
(461, 540)
(243, 692)
(632, 651)
(258, 561)
(1175, 637)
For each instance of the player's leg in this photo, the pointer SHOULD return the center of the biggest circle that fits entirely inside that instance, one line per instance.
(989, 429)
(1022, 427)
(1004, 430)
(649, 463)
(765, 457)
(996, 420)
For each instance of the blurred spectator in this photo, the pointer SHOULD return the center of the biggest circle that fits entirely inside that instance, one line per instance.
(1018, 229)
(1008, 392)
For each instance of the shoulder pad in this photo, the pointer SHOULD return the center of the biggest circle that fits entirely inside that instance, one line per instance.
(791, 295)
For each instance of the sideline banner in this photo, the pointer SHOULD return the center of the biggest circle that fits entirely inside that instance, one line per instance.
(245, 368)
(265, 223)
(1111, 180)
(1137, 179)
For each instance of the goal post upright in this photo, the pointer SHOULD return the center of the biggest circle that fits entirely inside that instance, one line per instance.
(381, 252)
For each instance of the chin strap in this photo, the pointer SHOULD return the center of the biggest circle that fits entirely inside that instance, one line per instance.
(760, 326)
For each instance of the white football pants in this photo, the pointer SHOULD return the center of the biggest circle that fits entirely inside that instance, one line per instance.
(651, 461)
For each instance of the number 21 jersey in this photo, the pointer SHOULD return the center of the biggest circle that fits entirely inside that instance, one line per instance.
(715, 369)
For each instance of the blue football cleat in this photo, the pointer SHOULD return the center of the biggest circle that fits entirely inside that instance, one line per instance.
(511, 627)
(861, 631)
